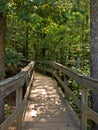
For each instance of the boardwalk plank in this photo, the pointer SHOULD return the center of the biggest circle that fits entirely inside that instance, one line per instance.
(47, 108)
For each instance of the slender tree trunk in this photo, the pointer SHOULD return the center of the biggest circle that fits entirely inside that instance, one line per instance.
(94, 53)
(27, 33)
(43, 53)
(2, 57)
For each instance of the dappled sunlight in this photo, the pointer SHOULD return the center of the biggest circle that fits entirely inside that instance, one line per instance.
(33, 113)
(37, 111)
(46, 108)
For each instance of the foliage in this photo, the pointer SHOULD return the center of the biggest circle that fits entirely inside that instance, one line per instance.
(51, 30)
(13, 58)
(7, 110)
(57, 30)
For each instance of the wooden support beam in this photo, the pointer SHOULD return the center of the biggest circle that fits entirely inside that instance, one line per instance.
(18, 103)
(84, 101)
(66, 84)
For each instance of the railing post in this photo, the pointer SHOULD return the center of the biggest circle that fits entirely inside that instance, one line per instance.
(26, 84)
(66, 84)
(58, 74)
(44, 69)
(18, 102)
(65, 80)
(84, 102)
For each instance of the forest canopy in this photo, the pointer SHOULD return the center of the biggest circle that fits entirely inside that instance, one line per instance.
(50, 30)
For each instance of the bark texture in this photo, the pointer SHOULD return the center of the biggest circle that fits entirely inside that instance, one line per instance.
(2, 57)
(94, 53)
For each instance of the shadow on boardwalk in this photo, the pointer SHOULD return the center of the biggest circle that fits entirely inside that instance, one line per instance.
(47, 108)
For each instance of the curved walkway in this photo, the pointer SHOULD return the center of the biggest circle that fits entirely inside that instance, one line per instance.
(47, 108)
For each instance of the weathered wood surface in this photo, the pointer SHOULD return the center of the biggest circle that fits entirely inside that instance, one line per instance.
(87, 83)
(9, 85)
(51, 109)
(47, 108)
(81, 79)
(27, 75)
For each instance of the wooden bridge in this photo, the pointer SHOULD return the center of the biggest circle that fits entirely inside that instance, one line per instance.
(45, 105)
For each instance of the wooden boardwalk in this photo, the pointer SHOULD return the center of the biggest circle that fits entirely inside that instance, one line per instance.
(47, 108)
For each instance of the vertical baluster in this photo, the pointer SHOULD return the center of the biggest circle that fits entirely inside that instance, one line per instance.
(66, 85)
(44, 69)
(58, 74)
(83, 116)
(65, 80)
(18, 102)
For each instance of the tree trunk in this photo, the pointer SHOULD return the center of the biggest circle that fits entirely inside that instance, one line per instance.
(2, 57)
(26, 48)
(94, 53)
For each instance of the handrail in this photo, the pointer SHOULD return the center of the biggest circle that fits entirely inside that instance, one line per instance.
(87, 83)
(25, 77)
(7, 86)
(11, 84)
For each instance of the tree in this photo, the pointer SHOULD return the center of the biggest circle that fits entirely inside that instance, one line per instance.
(46, 29)
(94, 53)
(2, 57)
(53, 25)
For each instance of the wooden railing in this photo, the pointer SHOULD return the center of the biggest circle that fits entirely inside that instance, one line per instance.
(25, 77)
(16, 83)
(86, 83)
